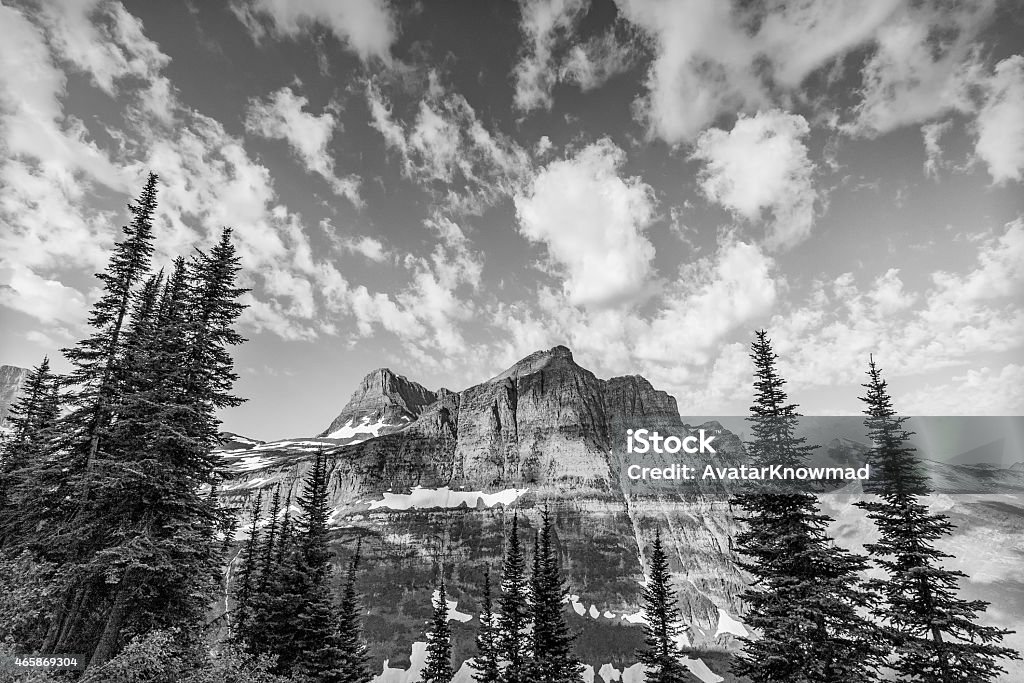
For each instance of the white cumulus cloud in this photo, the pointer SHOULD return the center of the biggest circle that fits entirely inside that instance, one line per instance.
(761, 166)
(591, 220)
(1000, 122)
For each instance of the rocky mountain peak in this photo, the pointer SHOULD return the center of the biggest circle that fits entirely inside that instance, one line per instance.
(538, 360)
(382, 402)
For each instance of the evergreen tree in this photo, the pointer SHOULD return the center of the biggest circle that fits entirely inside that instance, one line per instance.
(36, 408)
(31, 419)
(936, 636)
(514, 619)
(95, 357)
(248, 576)
(64, 505)
(806, 595)
(486, 663)
(553, 658)
(316, 625)
(269, 550)
(438, 667)
(660, 654)
(354, 663)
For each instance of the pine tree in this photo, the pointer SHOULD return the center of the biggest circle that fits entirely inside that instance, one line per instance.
(553, 658)
(514, 618)
(936, 636)
(806, 595)
(248, 576)
(269, 550)
(31, 420)
(354, 663)
(438, 667)
(95, 358)
(661, 654)
(315, 642)
(80, 465)
(486, 663)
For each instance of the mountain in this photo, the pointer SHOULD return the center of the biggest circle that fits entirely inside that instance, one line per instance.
(383, 403)
(11, 379)
(426, 477)
(430, 479)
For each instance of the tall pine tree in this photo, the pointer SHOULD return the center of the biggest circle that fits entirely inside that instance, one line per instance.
(31, 419)
(316, 625)
(486, 663)
(936, 635)
(514, 616)
(95, 358)
(661, 654)
(806, 596)
(354, 655)
(438, 667)
(553, 657)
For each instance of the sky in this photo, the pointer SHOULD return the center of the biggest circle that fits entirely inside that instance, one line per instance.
(445, 187)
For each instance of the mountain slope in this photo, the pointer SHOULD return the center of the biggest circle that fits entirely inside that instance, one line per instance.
(11, 379)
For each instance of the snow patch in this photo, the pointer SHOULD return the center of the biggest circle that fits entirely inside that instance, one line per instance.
(453, 612)
(445, 498)
(726, 624)
(699, 669)
(635, 618)
(348, 430)
(417, 661)
(410, 675)
(632, 674)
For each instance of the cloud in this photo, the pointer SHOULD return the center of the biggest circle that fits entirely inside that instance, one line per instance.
(932, 134)
(591, 64)
(951, 320)
(1000, 122)
(924, 65)
(761, 165)
(542, 23)
(33, 125)
(429, 313)
(368, 247)
(985, 391)
(714, 296)
(591, 220)
(48, 301)
(281, 117)
(448, 149)
(105, 41)
(367, 27)
(713, 58)
(667, 342)
(999, 273)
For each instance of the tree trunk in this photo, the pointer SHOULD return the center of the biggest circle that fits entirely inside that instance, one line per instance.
(70, 618)
(112, 630)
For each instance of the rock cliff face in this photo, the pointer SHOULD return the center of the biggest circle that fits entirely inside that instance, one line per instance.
(546, 432)
(11, 379)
